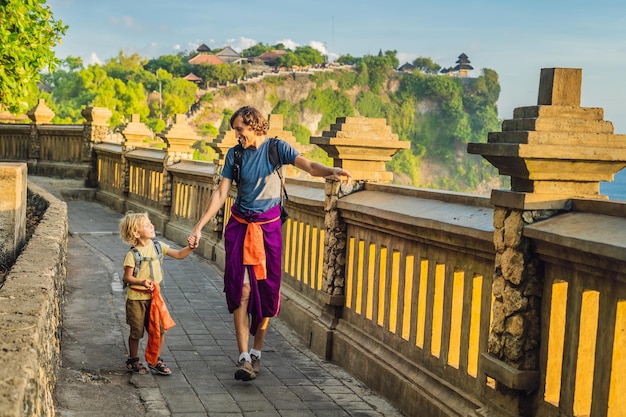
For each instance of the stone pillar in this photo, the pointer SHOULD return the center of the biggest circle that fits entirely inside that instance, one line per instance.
(96, 127)
(134, 136)
(13, 180)
(95, 130)
(179, 139)
(361, 145)
(40, 114)
(222, 143)
(553, 152)
(336, 240)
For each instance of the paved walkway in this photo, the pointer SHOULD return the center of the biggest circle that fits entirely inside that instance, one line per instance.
(200, 349)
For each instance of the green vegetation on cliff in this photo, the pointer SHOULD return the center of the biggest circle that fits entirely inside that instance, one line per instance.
(437, 114)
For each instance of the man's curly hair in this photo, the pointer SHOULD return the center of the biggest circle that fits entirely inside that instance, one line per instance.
(253, 118)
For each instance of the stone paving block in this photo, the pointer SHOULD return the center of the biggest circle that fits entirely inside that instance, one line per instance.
(219, 403)
(184, 403)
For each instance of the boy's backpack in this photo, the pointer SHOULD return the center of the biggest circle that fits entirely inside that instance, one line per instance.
(139, 259)
(274, 158)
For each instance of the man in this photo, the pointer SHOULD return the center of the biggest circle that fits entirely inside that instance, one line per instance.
(253, 236)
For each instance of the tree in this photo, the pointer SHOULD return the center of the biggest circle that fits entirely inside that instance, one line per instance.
(28, 32)
(126, 67)
(178, 96)
(289, 60)
(303, 56)
(378, 67)
(256, 50)
(493, 85)
(426, 65)
(308, 55)
(72, 63)
(347, 60)
(174, 64)
(392, 59)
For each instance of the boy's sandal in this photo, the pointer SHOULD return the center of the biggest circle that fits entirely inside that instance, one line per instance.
(135, 366)
(160, 368)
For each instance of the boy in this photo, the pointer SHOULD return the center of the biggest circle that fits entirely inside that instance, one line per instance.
(144, 305)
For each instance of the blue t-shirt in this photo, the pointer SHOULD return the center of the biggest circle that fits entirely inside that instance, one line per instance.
(259, 185)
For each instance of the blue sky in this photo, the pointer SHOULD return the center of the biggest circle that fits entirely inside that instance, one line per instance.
(516, 39)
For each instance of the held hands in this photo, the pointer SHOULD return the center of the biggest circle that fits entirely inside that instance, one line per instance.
(148, 284)
(193, 240)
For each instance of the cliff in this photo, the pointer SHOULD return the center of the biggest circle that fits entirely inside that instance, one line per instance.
(311, 102)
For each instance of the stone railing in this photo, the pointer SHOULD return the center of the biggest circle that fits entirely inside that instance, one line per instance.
(446, 303)
(556, 153)
(54, 150)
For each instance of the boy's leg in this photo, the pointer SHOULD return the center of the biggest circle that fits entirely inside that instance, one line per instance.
(134, 318)
(133, 347)
(136, 311)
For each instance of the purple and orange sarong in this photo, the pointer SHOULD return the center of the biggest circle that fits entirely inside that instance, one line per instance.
(264, 291)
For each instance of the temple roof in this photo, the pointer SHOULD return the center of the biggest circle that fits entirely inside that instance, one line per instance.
(407, 67)
(206, 59)
(228, 51)
(270, 57)
(203, 48)
(192, 77)
(463, 67)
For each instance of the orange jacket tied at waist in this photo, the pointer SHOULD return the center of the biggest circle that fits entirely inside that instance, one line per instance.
(254, 246)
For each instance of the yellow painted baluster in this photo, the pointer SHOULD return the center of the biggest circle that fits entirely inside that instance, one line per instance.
(556, 340)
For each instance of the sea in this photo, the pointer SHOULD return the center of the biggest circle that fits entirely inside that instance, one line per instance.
(615, 190)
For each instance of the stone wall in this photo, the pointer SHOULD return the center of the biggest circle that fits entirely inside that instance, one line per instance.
(31, 302)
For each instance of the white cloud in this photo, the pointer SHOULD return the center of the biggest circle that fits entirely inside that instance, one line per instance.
(241, 43)
(289, 44)
(320, 46)
(177, 47)
(93, 59)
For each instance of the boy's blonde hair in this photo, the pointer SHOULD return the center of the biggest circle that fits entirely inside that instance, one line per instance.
(130, 224)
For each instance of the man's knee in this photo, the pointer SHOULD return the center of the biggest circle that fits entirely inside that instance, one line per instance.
(245, 293)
